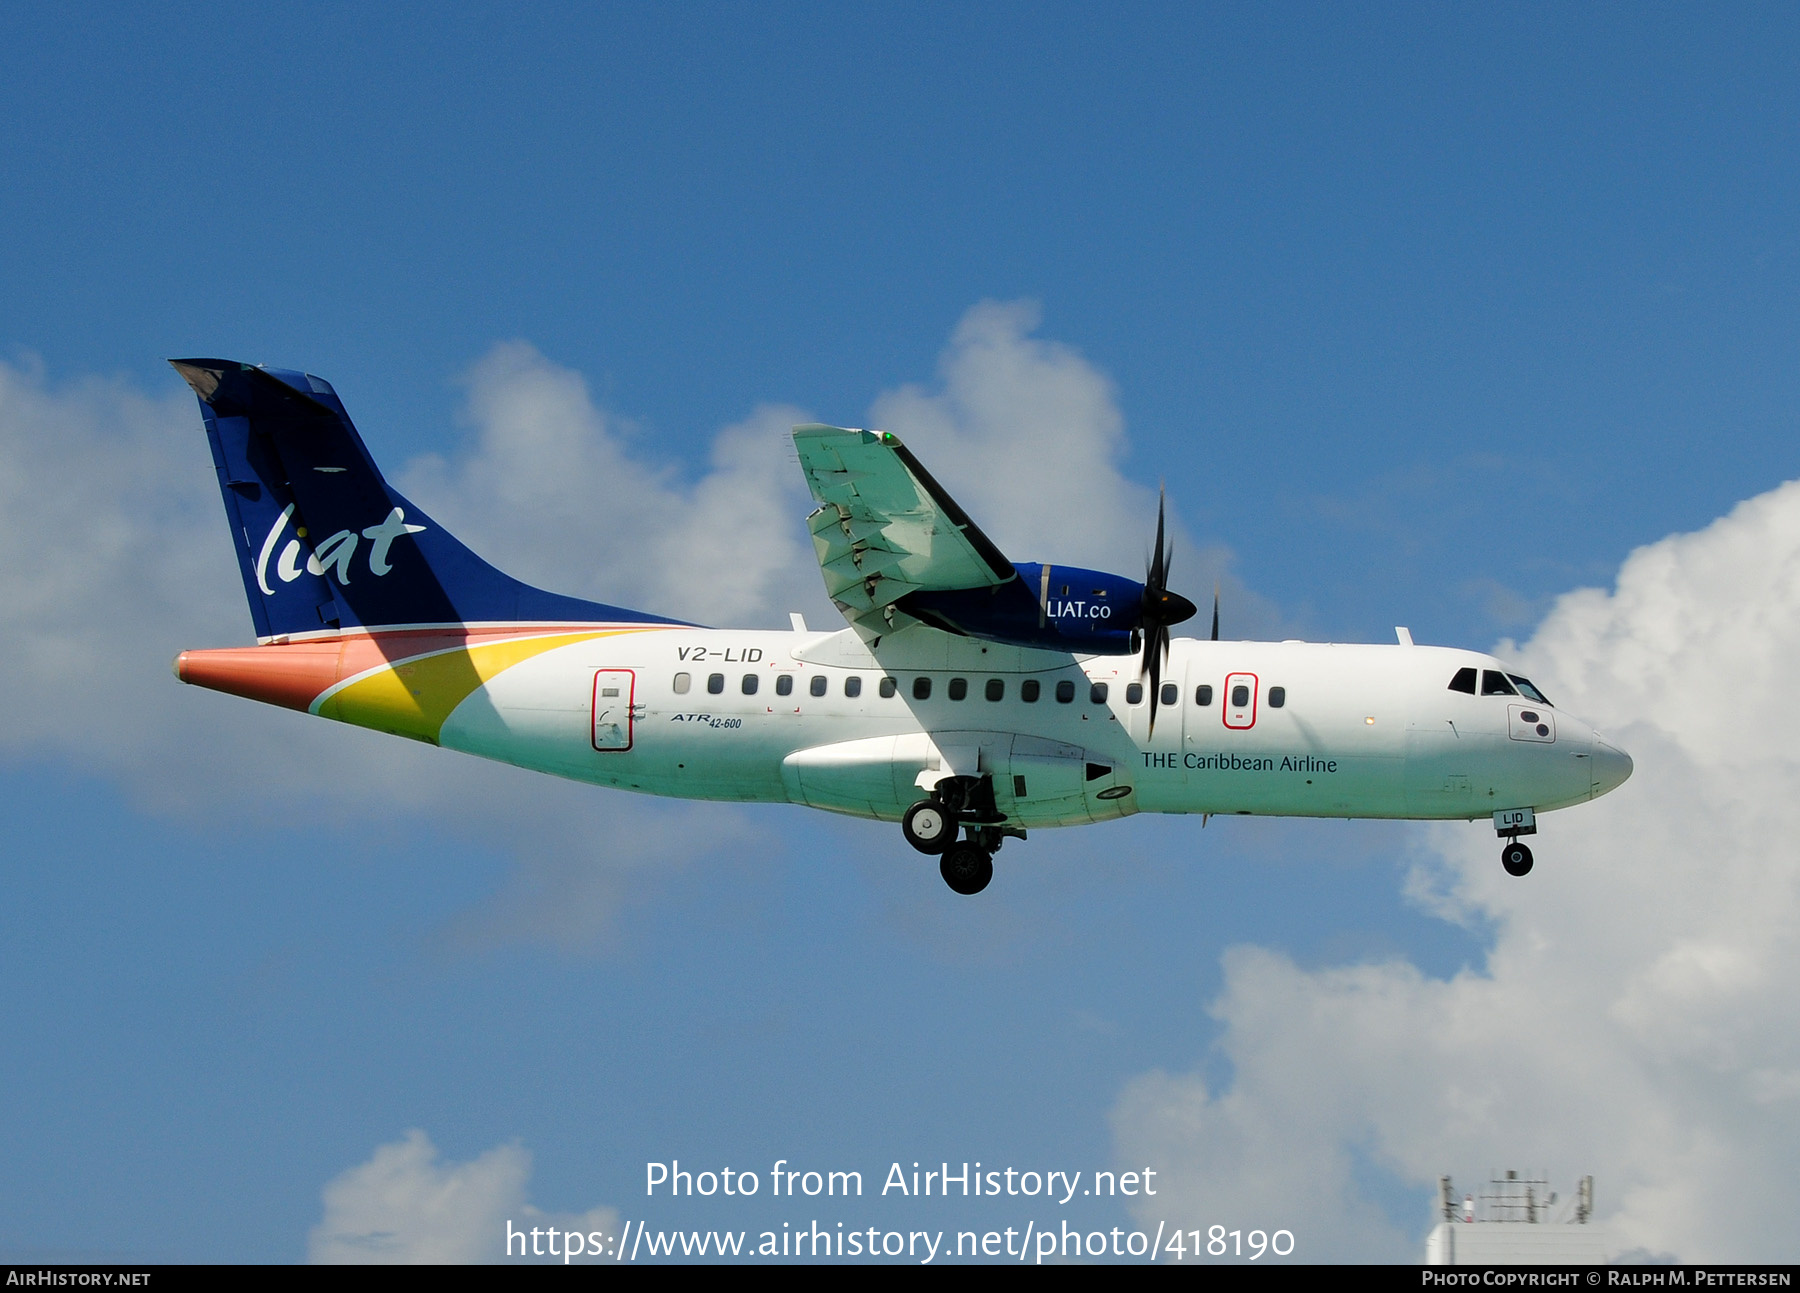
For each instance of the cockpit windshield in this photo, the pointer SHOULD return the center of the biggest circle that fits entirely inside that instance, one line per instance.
(1493, 683)
(1528, 691)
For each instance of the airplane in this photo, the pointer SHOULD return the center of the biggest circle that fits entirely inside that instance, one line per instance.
(970, 698)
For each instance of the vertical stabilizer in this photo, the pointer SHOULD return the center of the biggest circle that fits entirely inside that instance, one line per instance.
(323, 541)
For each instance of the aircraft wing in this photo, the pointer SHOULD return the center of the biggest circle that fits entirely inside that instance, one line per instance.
(884, 528)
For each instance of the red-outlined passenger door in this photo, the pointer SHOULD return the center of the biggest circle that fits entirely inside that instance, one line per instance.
(1239, 706)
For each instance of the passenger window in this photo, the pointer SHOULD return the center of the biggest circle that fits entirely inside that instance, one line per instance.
(1097, 693)
(1464, 681)
(853, 685)
(784, 684)
(1171, 694)
(1495, 684)
(818, 684)
(1030, 690)
(749, 684)
(1203, 694)
(887, 688)
(996, 689)
(959, 688)
(682, 682)
(715, 683)
(921, 689)
(1530, 692)
(1240, 696)
(1134, 693)
(1065, 692)
(1277, 697)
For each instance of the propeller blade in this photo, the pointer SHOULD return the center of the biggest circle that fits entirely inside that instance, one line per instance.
(1215, 636)
(1160, 607)
(1158, 577)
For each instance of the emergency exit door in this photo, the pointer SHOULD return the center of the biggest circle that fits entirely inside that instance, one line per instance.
(613, 695)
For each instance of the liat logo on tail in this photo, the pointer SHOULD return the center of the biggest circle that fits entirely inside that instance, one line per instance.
(338, 550)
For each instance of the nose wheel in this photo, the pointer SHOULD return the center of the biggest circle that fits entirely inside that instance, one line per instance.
(1516, 858)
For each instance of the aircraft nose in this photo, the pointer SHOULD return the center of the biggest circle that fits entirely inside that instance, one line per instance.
(1611, 767)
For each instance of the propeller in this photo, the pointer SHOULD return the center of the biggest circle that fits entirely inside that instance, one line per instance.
(1160, 609)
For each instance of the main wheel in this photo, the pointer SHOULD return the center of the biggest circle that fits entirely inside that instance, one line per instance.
(966, 868)
(1516, 858)
(928, 827)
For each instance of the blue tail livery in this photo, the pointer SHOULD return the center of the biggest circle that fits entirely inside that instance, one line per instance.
(324, 543)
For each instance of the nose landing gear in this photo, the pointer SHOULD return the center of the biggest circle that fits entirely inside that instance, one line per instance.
(1509, 824)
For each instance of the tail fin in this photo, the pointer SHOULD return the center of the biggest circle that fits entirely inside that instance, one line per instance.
(323, 541)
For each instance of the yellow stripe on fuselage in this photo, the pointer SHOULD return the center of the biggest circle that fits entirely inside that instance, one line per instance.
(414, 697)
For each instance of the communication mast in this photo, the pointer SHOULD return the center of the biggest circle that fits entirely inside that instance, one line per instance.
(1516, 1221)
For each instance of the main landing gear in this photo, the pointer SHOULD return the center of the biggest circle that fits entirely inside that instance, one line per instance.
(929, 826)
(965, 806)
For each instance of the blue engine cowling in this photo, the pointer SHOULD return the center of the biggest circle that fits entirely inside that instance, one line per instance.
(1061, 608)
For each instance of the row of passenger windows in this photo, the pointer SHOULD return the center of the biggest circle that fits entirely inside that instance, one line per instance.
(1030, 689)
(1495, 683)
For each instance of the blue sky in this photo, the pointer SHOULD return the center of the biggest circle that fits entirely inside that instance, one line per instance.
(1425, 316)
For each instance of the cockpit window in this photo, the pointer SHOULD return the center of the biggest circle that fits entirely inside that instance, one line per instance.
(1528, 691)
(1493, 683)
(1464, 681)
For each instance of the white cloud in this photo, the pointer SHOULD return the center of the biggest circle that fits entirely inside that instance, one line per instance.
(405, 1206)
(106, 500)
(1028, 436)
(558, 491)
(1025, 433)
(1636, 1015)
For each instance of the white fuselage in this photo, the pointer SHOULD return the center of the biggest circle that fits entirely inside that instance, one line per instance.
(1287, 728)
